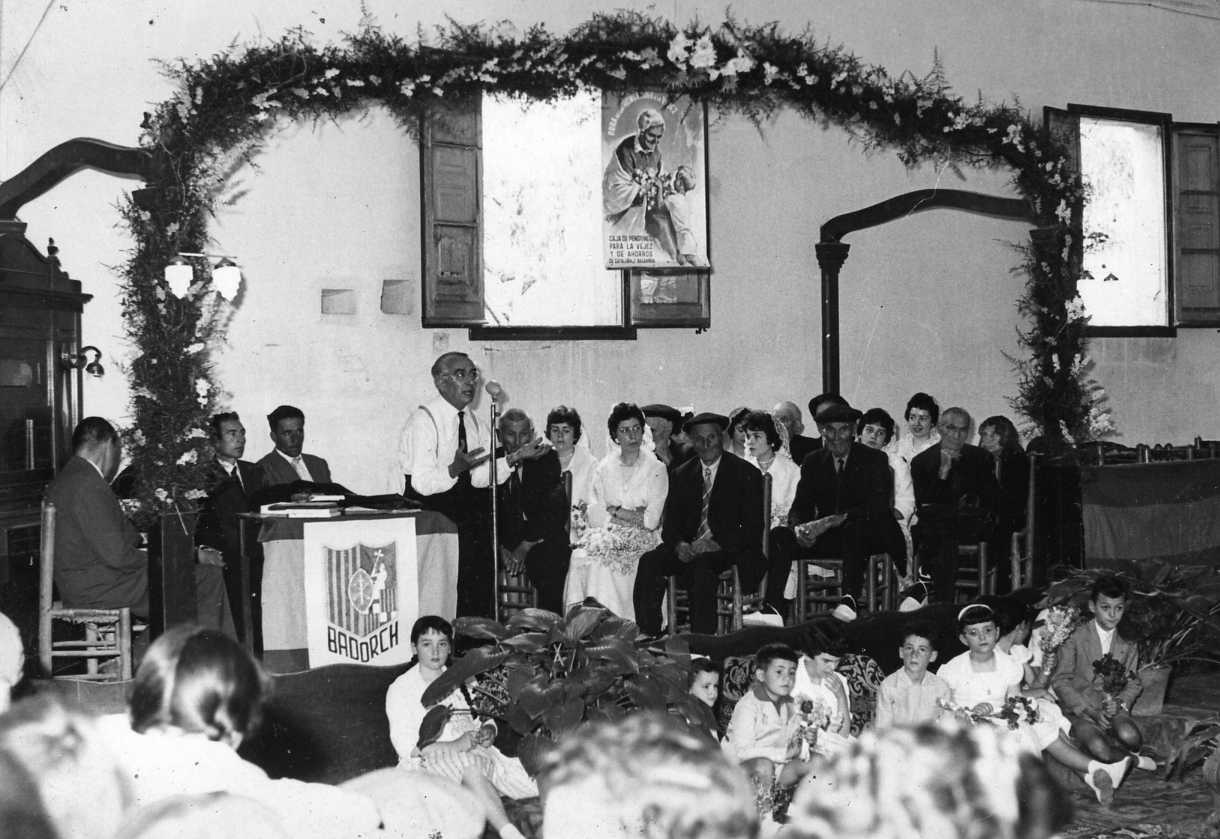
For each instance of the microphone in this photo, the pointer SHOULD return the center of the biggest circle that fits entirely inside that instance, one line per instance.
(494, 390)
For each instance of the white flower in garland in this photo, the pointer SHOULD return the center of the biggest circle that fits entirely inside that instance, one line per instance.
(742, 63)
(180, 284)
(162, 495)
(679, 49)
(187, 458)
(704, 55)
(195, 494)
(202, 388)
(196, 434)
(1075, 309)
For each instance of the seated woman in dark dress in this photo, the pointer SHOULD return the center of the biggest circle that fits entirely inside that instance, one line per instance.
(999, 436)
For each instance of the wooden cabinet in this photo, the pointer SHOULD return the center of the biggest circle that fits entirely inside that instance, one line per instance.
(40, 315)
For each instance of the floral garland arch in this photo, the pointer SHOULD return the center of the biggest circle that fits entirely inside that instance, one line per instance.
(226, 107)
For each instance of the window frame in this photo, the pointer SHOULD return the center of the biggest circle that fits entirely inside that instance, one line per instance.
(1165, 122)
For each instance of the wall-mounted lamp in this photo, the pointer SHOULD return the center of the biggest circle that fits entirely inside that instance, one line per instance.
(70, 361)
(226, 276)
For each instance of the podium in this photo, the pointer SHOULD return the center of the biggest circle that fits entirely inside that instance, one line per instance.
(347, 589)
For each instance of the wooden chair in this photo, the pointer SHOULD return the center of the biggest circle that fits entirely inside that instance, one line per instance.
(819, 587)
(107, 631)
(1021, 553)
(976, 576)
(731, 602)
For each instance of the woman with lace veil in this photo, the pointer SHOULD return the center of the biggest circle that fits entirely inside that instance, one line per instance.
(628, 497)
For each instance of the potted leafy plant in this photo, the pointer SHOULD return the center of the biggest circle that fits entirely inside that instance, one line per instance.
(1173, 615)
(543, 675)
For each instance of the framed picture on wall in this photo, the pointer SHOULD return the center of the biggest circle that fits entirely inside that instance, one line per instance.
(654, 181)
(669, 298)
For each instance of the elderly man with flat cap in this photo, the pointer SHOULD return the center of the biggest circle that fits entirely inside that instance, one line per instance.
(841, 508)
(662, 420)
(713, 521)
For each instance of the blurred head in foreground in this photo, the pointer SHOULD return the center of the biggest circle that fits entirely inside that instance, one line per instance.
(647, 775)
(929, 783)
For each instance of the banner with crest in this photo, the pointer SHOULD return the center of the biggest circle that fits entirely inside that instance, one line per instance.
(361, 591)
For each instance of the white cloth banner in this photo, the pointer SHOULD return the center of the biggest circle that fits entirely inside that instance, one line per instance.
(361, 591)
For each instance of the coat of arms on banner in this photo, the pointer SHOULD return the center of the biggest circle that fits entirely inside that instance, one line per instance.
(362, 596)
(361, 591)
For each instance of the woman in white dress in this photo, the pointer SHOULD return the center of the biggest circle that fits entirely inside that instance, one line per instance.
(563, 429)
(628, 497)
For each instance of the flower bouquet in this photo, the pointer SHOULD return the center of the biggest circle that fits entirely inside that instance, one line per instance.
(618, 546)
(1113, 675)
(814, 716)
(579, 522)
(1058, 625)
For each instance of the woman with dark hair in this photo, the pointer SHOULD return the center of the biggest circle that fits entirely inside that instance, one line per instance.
(563, 429)
(629, 490)
(921, 415)
(462, 749)
(768, 450)
(197, 695)
(735, 435)
(998, 436)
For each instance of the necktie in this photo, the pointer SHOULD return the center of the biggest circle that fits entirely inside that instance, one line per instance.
(705, 528)
(839, 461)
(298, 463)
(463, 479)
(235, 474)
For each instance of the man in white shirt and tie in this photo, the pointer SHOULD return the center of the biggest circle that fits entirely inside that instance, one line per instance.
(444, 454)
(285, 463)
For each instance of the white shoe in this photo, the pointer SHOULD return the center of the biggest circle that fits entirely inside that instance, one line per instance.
(1145, 762)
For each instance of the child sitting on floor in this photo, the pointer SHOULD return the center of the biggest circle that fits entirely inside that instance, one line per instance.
(911, 695)
(765, 731)
(705, 687)
(983, 679)
(818, 681)
(1101, 723)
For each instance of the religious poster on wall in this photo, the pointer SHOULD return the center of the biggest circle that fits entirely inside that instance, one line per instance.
(361, 591)
(654, 184)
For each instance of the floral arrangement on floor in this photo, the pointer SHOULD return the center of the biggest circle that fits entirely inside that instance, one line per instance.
(225, 107)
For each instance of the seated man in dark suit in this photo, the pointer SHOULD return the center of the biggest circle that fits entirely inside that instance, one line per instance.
(841, 508)
(713, 521)
(955, 499)
(232, 485)
(98, 562)
(533, 512)
(285, 463)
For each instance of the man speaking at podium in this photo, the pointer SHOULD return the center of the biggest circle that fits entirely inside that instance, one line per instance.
(444, 454)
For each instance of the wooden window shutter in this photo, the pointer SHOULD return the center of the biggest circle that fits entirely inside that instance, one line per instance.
(1196, 192)
(451, 179)
(1064, 126)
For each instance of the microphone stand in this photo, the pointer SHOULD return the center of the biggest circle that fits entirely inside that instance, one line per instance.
(494, 484)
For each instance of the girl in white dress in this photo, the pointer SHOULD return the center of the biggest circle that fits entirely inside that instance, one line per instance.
(982, 679)
(462, 751)
(629, 490)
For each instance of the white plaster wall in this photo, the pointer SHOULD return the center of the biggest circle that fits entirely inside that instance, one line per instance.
(927, 302)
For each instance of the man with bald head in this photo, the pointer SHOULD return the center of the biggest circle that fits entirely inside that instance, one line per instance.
(98, 562)
(444, 452)
(955, 500)
(799, 446)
